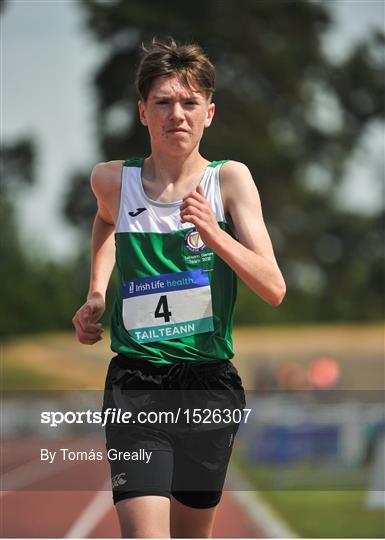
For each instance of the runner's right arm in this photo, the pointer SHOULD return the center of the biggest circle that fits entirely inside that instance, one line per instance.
(85, 320)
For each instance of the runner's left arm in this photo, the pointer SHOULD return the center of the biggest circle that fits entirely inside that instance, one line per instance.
(251, 256)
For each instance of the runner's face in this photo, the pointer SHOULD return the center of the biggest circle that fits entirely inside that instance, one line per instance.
(175, 115)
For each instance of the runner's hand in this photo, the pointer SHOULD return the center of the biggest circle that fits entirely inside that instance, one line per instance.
(197, 210)
(88, 330)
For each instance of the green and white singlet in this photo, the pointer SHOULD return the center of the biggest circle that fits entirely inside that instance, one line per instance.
(175, 297)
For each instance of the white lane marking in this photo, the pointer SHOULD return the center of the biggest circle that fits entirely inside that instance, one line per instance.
(94, 512)
(30, 472)
(261, 514)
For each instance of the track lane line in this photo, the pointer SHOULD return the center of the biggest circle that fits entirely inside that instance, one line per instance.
(28, 473)
(94, 512)
(261, 513)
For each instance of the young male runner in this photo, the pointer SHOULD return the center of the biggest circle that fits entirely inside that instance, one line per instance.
(184, 227)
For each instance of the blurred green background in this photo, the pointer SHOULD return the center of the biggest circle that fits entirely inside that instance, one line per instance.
(300, 100)
(306, 119)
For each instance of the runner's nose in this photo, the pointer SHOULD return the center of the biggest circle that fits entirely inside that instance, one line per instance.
(177, 112)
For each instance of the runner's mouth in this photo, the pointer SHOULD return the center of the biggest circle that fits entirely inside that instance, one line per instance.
(177, 130)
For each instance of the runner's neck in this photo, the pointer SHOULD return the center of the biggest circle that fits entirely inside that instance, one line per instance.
(162, 171)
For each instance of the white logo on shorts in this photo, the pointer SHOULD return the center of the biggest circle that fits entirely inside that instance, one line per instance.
(118, 480)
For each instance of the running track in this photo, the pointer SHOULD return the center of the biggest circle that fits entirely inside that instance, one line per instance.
(35, 509)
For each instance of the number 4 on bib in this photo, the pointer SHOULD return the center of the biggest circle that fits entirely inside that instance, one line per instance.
(163, 304)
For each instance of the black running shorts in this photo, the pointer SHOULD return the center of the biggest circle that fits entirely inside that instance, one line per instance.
(171, 428)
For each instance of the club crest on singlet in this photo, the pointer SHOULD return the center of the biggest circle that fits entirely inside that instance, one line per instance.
(193, 241)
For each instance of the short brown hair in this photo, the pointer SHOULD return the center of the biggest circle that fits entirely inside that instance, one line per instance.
(167, 59)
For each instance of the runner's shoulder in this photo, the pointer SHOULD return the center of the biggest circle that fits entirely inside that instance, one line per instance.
(106, 176)
(231, 168)
(235, 173)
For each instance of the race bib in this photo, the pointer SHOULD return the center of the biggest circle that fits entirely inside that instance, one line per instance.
(168, 306)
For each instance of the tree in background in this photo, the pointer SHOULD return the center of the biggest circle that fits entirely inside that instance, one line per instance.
(36, 295)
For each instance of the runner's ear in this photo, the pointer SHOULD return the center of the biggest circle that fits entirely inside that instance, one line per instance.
(142, 113)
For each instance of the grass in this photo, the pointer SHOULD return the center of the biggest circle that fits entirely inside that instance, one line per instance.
(318, 512)
(307, 476)
(53, 361)
(19, 377)
(328, 514)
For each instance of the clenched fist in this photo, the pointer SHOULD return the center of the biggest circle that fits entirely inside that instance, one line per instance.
(197, 210)
(85, 320)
